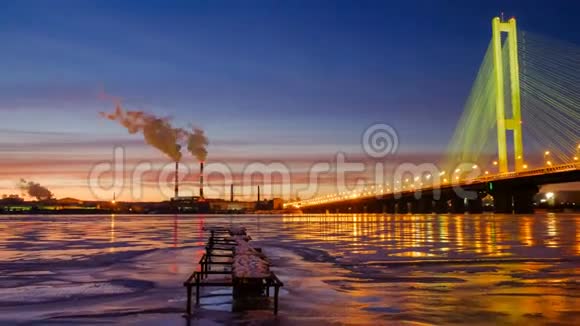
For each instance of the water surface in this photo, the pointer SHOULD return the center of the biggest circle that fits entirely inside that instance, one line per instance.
(337, 269)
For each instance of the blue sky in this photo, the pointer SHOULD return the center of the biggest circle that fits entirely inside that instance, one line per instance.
(258, 76)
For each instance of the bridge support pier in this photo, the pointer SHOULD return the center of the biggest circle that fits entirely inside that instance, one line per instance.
(413, 206)
(524, 199)
(389, 206)
(441, 206)
(518, 199)
(502, 200)
(401, 206)
(423, 205)
(457, 205)
(375, 206)
(474, 206)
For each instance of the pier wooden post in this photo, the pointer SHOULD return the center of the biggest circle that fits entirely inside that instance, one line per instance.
(197, 281)
(188, 300)
(276, 292)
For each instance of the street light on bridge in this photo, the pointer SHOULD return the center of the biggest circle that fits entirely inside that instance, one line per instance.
(457, 173)
(495, 166)
(547, 158)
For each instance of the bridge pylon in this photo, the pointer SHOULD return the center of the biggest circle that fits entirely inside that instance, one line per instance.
(515, 122)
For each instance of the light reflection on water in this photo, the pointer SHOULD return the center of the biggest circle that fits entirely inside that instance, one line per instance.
(66, 237)
(355, 278)
(442, 235)
(63, 237)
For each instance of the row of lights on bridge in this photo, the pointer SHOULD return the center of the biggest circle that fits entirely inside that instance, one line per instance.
(398, 187)
(549, 161)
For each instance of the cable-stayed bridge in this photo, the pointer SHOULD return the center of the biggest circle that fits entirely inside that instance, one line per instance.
(519, 130)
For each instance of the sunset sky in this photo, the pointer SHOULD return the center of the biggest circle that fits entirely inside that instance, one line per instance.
(289, 81)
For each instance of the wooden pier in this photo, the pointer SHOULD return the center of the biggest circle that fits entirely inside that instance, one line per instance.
(229, 261)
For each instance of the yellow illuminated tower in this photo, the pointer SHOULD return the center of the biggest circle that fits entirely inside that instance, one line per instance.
(515, 122)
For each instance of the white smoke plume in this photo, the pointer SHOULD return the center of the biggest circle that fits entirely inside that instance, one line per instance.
(157, 132)
(35, 190)
(197, 144)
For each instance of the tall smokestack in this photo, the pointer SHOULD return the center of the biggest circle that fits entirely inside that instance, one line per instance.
(232, 192)
(258, 193)
(176, 179)
(201, 179)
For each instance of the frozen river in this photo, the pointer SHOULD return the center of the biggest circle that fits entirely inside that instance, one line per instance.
(337, 269)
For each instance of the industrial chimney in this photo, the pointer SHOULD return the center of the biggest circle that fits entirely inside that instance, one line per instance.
(201, 179)
(232, 192)
(258, 194)
(176, 180)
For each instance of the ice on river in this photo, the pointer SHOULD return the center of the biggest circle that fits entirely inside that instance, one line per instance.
(337, 269)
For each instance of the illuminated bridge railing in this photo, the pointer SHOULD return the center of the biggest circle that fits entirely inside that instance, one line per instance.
(357, 194)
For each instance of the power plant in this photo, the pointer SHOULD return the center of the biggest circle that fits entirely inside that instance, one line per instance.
(201, 204)
(169, 140)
